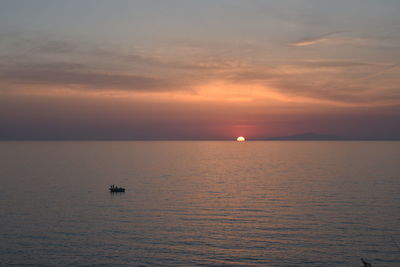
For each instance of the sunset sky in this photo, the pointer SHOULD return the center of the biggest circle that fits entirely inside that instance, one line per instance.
(188, 69)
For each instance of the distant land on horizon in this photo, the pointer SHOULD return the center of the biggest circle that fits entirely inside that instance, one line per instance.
(310, 136)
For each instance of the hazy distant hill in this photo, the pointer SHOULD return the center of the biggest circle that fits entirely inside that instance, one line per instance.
(308, 136)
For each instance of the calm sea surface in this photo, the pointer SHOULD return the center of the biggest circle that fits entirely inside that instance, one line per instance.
(200, 203)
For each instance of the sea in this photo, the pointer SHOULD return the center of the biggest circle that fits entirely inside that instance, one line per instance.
(200, 203)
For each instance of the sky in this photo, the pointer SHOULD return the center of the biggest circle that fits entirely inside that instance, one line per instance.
(188, 69)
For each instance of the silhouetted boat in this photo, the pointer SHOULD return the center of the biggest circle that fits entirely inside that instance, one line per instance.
(116, 189)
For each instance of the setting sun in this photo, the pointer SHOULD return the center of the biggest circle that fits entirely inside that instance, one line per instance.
(240, 139)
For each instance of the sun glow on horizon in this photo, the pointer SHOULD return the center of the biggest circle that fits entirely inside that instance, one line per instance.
(240, 139)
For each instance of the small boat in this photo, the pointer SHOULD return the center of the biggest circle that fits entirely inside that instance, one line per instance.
(116, 189)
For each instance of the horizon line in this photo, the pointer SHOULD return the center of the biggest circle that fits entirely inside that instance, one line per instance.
(197, 139)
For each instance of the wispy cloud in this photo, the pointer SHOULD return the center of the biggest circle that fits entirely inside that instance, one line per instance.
(60, 63)
(64, 74)
(380, 72)
(314, 40)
